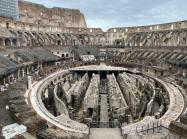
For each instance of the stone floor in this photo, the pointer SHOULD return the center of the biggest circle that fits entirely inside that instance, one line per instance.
(104, 108)
(105, 133)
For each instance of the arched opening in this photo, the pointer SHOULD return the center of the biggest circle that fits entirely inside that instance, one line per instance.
(7, 42)
(90, 112)
(59, 42)
(67, 55)
(63, 55)
(1, 41)
(72, 100)
(7, 25)
(14, 42)
(82, 42)
(58, 35)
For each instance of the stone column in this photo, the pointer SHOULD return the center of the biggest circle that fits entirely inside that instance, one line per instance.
(45, 96)
(184, 73)
(4, 81)
(11, 43)
(23, 72)
(55, 105)
(27, 70)
(14, 78)
(29, 82)
(18, 74)
(8, 79)
(41, 67)
(46, 93)
(38, 66)
(3, 42)
(32, 68)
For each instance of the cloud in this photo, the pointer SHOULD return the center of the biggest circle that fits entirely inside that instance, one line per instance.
(120, 13)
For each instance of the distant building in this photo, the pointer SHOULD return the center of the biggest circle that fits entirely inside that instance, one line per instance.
(9, 8)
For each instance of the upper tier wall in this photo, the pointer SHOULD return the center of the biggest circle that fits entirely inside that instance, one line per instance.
(36, 13)
(169, 34)
(24, 26)
(150, 28)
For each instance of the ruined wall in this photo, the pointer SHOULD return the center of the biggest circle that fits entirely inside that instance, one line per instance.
(35, 13)
(16, 33)
(68, 27)
(170, 34)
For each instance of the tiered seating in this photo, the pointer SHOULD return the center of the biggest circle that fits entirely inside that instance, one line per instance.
(165, 56)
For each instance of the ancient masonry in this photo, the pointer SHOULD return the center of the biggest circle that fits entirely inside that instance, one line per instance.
(60, 79)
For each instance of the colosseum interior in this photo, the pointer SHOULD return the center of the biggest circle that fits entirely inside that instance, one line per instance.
(62, 80)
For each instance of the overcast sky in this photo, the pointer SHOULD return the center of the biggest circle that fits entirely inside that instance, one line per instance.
(123, 13)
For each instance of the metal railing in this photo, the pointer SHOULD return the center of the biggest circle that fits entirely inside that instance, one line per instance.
(152, 129)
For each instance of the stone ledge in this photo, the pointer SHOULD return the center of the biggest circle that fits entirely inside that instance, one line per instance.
(179, 128)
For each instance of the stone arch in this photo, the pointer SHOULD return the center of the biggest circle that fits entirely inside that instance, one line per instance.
(58, 42)
(81, 39)
(63, 55)
(68, 40)
(14, 33)
(51, 39)
(1, 41)
(47, 40)
(23, 39)
(92, 39)
(15, 42)
(7, 42)
(63, 37)
(58, 35)
(29, 38)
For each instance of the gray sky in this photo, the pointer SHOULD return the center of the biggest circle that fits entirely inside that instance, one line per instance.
(124, 13)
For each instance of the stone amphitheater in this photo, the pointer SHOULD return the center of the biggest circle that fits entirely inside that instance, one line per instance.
(60, 79)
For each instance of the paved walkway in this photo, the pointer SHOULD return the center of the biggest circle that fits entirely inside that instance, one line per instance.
(104, 118)
(105, 133)
(104, 108)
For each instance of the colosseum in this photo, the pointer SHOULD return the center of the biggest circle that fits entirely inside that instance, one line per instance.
(60, 79)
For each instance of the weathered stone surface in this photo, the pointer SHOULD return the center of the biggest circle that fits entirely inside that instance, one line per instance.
(52, 133)
(92, 95)
(116, 99)
(179, 128)
(35, 13)
(183, 119)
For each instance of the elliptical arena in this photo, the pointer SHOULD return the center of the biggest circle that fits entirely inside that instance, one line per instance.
(60, 79)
